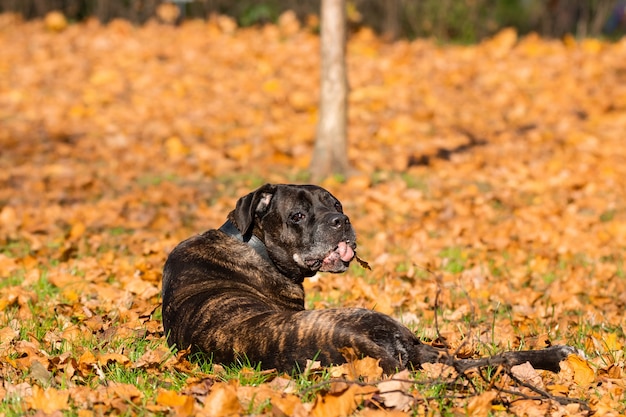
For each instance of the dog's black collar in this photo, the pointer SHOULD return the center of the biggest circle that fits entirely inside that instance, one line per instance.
(254, 242)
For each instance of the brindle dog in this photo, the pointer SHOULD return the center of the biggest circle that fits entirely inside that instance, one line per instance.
(238, 291)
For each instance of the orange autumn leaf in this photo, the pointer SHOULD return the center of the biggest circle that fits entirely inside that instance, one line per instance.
(341, 403)
(126, 392)
(222, 401)
(48, 400)
(173, 399)
(395, 391)
(481, 405)
(526, 373)
(87, 358)
(252, 397)
(583, 374)
(7, 335)
(106, 358)
(530, 408)
(153, 358)
(55, 21)
(367, 368)
(175, 147)
(558, 389)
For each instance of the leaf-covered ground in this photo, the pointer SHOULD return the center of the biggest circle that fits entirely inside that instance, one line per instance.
(489, 192)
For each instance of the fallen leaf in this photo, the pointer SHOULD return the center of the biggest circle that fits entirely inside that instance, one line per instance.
(183, 404)
(526, 373)
(222, 401)
(153, 358)
(49, 400)
(40, 373)
(170, 398)
(612, 343)
(341, 403)
(558, 389)
(366, 368)
(583, 374)
(7, 335)
(439, 371)
(530, 408)
(55, 21)
(395, 391)
(370, 412)
(106, 358)
(480, 405)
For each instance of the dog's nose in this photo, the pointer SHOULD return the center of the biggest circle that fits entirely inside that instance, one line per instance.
(338, 220)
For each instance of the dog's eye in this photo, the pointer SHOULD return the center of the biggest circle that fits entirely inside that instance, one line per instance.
(338, 207)
(297, 217)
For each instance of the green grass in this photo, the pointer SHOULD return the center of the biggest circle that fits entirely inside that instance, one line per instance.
(16, 248)
(549, 277)
(315, 296)
(607, 216)
(454, 259)
(47, 318)
(145, 381)
(120, 231)
(415, 182)
(149, 180)
(245, 372)
(229, 183)
(13, 279)
(12, 406)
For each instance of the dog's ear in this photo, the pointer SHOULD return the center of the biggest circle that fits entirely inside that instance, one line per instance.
(255, 203)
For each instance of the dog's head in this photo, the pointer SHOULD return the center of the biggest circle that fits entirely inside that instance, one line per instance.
(303, 228)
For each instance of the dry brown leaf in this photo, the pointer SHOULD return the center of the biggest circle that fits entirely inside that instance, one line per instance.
(439, 371)
(371, 412)
(286, 404)
(579, 368)
(106, 358)
(85, 413)
(526, 373)
(341, 403)
(40, 373)
(558, 389)
(284, 385)
(395, 391)
(251, 397)
(530, 408)
(141, 288)
(126, 392)
(48, 400)
(55, 21)
(171, 398)
(154, 358)
(7, 335)
(222, 401)
(480, 405)
(366, 368)
(29, 353)
(183, 404)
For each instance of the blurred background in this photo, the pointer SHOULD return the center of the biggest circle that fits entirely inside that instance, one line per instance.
(446, 20)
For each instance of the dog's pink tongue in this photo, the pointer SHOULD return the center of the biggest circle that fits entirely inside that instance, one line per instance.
(345, 252)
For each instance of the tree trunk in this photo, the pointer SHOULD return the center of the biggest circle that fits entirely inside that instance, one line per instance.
(391, 24)
(600, 17)
(330, 153)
